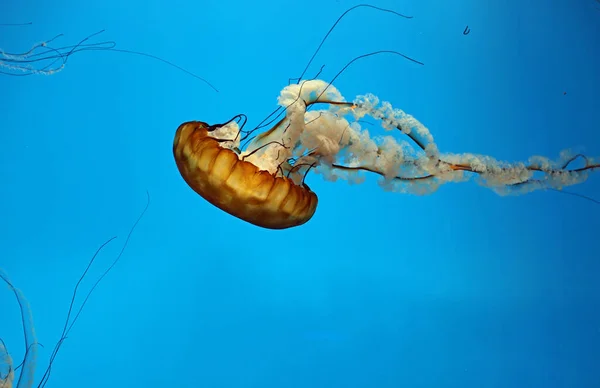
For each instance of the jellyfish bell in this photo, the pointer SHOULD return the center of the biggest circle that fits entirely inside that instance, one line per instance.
(237, 186)
(262, 182)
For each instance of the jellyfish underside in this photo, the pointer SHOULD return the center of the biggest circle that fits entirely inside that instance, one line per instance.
(237, 186)
(332, 142)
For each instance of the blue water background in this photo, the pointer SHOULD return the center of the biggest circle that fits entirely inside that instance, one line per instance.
(462, 288)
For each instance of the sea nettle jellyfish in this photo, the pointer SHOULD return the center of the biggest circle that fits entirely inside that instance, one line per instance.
(261, 179)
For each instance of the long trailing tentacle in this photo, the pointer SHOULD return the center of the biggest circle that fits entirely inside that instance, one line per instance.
(26, 377)
(70, 323)
(339, 19)
(443, 166)
(405, 168)
(472, 169)
(273, 116)
(23, 64)
(469, 167)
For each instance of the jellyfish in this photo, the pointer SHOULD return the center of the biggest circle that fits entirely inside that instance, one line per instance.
(262, 180)
(27, 367)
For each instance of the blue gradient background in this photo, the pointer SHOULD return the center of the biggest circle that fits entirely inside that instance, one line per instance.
(462, 288)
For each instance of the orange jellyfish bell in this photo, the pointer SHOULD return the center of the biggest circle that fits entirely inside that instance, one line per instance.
(237, 186)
